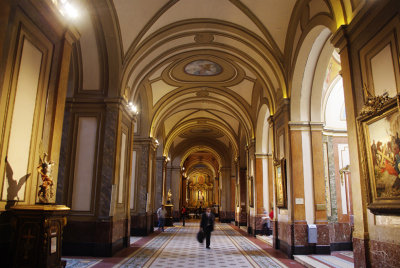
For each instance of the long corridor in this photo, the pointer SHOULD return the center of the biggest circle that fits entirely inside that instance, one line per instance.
(178, 247)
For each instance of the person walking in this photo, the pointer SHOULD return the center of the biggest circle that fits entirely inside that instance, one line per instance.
(183, 214)
(161, 213)
(207, 224)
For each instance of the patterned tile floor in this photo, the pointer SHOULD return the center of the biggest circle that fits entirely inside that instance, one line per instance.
(178, 247)
(266, 239)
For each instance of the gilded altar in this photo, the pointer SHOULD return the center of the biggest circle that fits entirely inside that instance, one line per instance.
(200, 190)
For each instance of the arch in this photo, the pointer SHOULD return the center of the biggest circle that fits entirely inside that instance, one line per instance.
(201, 148)
(262, 131)
(304, 73)
(194, 123)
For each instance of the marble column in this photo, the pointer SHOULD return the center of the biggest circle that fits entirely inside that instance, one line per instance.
(176, 178)
(226, 214)
(143, 218)
(108, 186)
(159, 181)
(243, 197)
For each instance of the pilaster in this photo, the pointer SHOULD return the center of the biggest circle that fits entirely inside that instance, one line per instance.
(360, 234)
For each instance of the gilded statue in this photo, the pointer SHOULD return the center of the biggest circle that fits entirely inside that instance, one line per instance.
(169, 195)
(46, 192)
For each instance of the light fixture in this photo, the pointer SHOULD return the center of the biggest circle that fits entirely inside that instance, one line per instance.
(133, 108)
(156, 141)
(67, 9)
(168, 159)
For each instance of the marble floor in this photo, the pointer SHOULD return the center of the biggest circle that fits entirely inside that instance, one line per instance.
(178, 247)
(337, 259)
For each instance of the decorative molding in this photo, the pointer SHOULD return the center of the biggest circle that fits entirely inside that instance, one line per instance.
(204, 38)
(374, 104)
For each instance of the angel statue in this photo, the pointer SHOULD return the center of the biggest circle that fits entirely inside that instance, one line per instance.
(45, 193)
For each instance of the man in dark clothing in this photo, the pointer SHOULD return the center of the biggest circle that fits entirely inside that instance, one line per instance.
(207, 224)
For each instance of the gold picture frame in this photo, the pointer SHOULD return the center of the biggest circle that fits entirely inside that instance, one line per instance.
(379, 151)
(280, 184)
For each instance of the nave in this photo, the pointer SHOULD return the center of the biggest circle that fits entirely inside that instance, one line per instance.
(178, 247)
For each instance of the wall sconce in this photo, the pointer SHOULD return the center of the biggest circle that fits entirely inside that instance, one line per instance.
(133, 108)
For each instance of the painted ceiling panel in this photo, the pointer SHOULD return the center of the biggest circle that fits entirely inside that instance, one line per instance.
(244, 89)
(158, 72)
(204, 114)
(133, 15)
(159, 89)
(274, 16)
(178, 140)
(230, 120)
(252, 54)
(192, 9)
(154, 54)
(247, 71)
(317, 6)
(172, 120)
(178, 99)
(224, 140)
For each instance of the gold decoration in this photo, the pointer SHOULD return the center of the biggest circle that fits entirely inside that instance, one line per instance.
(169, 195)
(373, 104)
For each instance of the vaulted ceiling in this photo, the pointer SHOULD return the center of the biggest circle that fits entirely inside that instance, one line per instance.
(201, 70)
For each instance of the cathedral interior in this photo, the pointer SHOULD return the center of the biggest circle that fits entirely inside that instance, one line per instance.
(253, 108)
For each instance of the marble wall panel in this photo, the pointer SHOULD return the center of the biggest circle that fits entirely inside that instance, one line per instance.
(323, 234)
(300, 234)
(340, 232)
(359, 247)
(108, 160)
(384, 254)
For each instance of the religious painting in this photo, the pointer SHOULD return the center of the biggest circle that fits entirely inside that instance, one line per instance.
(250, 190)
(382, 166)
(203, 68)
(280, 184)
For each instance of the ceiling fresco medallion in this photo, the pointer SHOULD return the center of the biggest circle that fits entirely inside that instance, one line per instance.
(203, 68)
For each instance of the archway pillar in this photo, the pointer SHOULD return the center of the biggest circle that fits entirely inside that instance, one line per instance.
(226, 213)
(260, 209)
(360, 233)
(320, 206)
(302, 206)
(242, 211)
(176, 178)
(143, 218)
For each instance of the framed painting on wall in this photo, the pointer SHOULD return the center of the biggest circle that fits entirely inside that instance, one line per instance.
(280, 184)
(380, 151)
